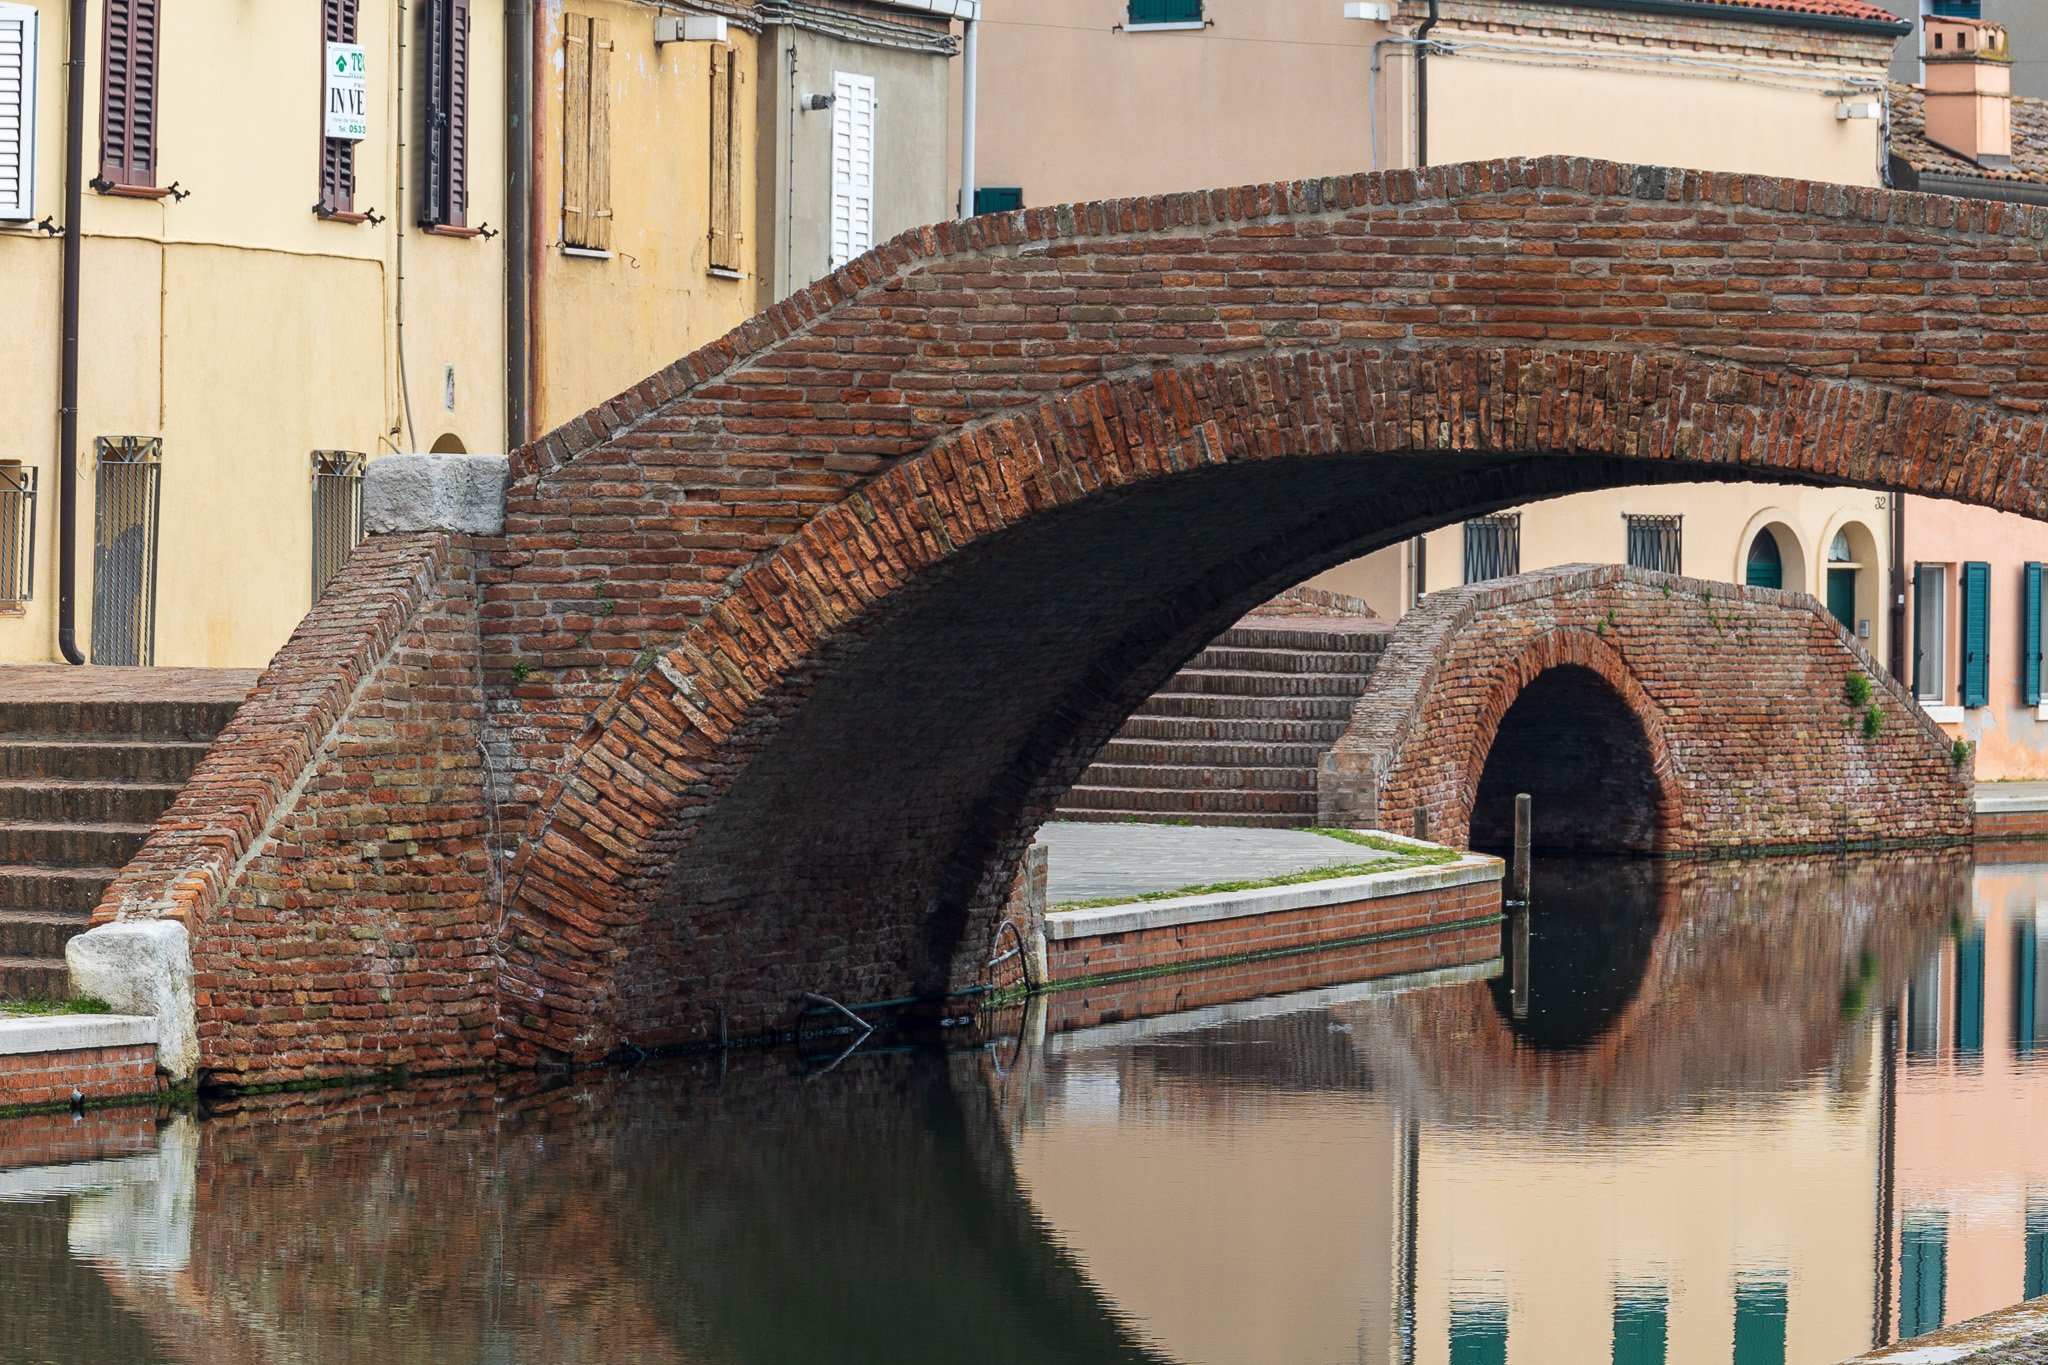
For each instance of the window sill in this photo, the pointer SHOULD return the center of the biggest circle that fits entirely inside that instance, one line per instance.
(133, 191)
(2041, 711)
(346, 216)
(14, 609)
(1178, 26)
(724, 272)
(451, 230)
(1942, 715)
(587, 253)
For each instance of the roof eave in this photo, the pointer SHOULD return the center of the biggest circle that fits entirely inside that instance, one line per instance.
(1705, 9)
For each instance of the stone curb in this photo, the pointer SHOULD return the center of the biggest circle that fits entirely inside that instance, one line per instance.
(74, 1033)
(2024, 1325)
(1135, 916)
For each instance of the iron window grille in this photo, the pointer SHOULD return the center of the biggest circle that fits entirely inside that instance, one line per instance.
(17, 533)
(337, 512)
(1656, 543)
(127, 488)
(1493, 547)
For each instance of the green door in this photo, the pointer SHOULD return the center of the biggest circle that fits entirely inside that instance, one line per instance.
(1842, 596)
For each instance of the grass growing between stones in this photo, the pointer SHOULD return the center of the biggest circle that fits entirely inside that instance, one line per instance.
(38, 1005)
(1401, 857)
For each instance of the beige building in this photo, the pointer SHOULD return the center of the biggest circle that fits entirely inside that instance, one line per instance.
(1759, 85)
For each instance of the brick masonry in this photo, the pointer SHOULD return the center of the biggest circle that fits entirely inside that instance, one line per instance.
(96, 1073)
(787, 651)
(1642, 712)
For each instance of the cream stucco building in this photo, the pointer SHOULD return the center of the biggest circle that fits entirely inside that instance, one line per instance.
(1160, 95)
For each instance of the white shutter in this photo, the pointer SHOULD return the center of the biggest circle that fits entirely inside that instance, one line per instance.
(853, 166)
(17, 112)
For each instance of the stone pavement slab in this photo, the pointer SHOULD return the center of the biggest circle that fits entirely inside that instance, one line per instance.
(1091, 861)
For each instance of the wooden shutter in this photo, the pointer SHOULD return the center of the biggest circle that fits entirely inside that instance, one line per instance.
(723, 248)
(587, 132)
(444, 113)
(17, 112)
(128, 94)
(337, 154)
(2030, 636)
(853, 166)
(1976, 634)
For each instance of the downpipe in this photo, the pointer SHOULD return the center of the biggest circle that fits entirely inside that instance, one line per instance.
(67, 402)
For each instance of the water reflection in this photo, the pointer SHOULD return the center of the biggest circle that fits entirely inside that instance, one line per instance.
(1755, 1113)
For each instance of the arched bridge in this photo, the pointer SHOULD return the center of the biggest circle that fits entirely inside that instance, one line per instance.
(782, 655)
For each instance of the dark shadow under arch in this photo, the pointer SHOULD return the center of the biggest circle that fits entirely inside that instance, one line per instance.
(1582, 754)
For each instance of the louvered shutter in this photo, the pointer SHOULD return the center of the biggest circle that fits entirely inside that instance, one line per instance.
(587, 132)
(458, 114)
(1976, 634)
(600, 203)
(17, 112)
(337, 154)
(853, 166)
(433, 194)
(2030, 636)
(128, 93)
(721, 155)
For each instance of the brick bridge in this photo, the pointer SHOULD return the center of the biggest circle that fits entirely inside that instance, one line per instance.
(780, 657)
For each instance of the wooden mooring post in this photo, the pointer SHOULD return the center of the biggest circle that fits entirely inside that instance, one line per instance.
(1518, 871)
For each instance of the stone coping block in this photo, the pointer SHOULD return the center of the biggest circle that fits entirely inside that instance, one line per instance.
(460, 493)
(1136, 916)
(1991, 801)
(1989, 1339)
(74, 1033)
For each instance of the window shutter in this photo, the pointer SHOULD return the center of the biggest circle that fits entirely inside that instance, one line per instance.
(433, 194)
(458, 115)
(587, 132)
(2030, 636)
(723, 156)
(1976, 634)
(17, 112)
(128, 81)
(337, 154)
(853, 166)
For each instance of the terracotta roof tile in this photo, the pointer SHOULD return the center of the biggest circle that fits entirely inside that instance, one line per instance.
(1832, 9)
(2029, 141)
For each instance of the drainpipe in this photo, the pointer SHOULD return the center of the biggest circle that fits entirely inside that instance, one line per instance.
(1422, 86)
(518, 207)
(537, 219)
(67, 403)
(970, 50)
(1898, 650)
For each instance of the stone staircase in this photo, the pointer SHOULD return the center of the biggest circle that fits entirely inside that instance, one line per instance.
(82, 778)
(1235, 738)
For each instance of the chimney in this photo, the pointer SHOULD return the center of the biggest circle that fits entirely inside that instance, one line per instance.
(1969, 89)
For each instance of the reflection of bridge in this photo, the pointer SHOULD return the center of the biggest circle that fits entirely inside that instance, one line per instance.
(780, 658)
(1338, 1170)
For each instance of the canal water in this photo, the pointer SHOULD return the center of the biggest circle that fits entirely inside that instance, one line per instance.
(1762, 1112)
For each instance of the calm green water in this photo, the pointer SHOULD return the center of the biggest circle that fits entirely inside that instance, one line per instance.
(1753, 1113)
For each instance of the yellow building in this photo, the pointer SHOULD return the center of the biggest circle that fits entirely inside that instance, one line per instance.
(1224, 92)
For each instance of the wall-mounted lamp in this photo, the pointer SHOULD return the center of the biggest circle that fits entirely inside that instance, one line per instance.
(1365, 9)
(817, 102)
(690, 28)
(1848, 109)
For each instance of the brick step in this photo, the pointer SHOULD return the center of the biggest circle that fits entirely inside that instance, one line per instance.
(1235, 820)
(1317, 734)
(84, 845)
(54, 890)
(1305, 637)
(1127, 750)
(24, 978)
(1242, 683)
(38, 933)
(1349, 664)
(141, 760)
(1158, 801)
(1214, 706)
(173, 720)
(1164, 777)
(66, 802)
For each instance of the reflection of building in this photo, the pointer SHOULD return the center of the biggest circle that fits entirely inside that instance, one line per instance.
(1972, 1176)
(1745, 86)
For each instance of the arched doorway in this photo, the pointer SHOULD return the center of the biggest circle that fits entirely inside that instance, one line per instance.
(1841, 584)
(1573, 744)
(1765, 567)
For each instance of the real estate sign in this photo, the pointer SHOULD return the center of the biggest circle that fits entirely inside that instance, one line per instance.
(348, 92)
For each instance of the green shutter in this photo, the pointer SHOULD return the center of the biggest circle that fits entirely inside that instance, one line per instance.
(1166, 11)
(1976, 634)
(2030, 637)
(998, 199)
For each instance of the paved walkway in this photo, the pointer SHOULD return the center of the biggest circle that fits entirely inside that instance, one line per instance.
(1088, 862)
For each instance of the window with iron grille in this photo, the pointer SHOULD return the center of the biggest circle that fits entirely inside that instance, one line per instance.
(17, 534)
(337, 512)
(1656, 543)
(1493, 547)
(124, 549)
